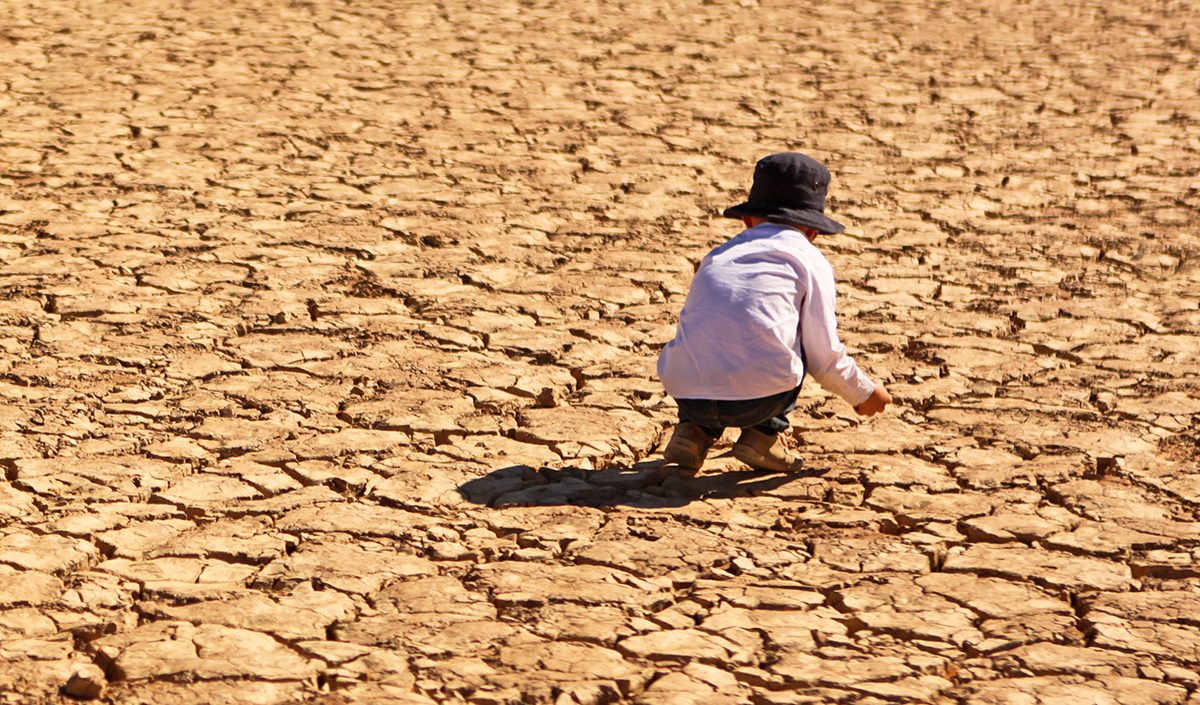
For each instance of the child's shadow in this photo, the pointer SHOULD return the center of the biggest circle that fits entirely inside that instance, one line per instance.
(649, 484)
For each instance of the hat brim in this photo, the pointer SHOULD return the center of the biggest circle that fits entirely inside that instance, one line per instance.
(812, 219)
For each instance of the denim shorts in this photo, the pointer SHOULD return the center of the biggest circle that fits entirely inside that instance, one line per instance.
(767, 414)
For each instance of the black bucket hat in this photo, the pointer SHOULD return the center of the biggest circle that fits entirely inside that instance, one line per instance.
(789, 187)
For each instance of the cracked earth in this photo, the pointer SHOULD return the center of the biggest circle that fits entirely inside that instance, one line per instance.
(328, 335)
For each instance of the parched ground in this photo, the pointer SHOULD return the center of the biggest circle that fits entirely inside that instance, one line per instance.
(327, 333)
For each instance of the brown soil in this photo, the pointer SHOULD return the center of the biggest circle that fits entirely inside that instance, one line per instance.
(328, 334)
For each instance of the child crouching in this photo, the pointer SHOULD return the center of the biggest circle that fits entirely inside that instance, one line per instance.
(758, 317)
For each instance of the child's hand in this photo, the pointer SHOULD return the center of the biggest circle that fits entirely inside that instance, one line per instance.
(874, 403)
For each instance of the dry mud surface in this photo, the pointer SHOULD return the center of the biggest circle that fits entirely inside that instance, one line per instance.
(328, 335)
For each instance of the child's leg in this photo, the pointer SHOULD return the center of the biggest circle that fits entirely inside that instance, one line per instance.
(761, 420)
(703, 413)
(695, 433)
(778, 423)
(767, 414)
(701, 422)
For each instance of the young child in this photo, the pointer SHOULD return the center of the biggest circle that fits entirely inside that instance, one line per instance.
(760, 315)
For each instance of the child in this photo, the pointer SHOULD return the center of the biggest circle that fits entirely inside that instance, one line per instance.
(758, 316)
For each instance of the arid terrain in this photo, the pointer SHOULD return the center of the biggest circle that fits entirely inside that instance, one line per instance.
(328, 330)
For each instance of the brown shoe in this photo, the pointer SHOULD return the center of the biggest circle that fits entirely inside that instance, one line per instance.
(688, 446)
(763, 451)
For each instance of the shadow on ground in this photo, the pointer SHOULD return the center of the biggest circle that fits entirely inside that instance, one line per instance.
(649, 484)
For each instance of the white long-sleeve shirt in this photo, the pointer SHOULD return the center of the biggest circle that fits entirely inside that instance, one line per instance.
(760, 308)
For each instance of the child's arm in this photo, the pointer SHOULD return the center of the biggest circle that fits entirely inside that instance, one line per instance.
(825, 356)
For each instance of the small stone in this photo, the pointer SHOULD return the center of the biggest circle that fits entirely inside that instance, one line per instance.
(86, 683)
(450, 551)
(744, 564)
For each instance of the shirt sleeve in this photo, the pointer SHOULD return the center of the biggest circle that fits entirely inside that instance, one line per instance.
(824, 355)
